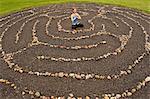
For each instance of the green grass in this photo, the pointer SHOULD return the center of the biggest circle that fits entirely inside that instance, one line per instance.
(8, 6)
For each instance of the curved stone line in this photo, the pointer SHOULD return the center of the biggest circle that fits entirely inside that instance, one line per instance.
(82, 37)
(105, 95)
(90, 21)
(79, 59)
(133, 16)
(123, 39)
(30, 19)
(15, 18)
(34, 34)
(143, 29)
(111, 21)
(9, 21)
(22, 12)
(8, 26)
(134, 12)
(77, 47)
(131, 28)
(70, 31)
(126, 93)
(36, 42)
(145, 32)
(4, 81)
(85, 30)
(74, 38)
(65, 38)
(12, 15)
(132, 20)
(22, 26)
(79, 76)
(46, 15)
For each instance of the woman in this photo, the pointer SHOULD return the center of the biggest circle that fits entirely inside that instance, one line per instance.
(74, 18)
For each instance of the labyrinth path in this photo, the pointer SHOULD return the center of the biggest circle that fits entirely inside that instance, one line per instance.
(107, 59)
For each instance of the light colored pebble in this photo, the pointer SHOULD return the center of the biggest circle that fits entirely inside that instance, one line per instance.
(147, 79)
(60, 74)
(129, 93)
(37, 94)
(118, 96)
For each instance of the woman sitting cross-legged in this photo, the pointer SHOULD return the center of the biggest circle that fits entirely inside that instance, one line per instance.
(75, 19)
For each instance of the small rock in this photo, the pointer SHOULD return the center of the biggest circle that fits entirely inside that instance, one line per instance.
(12, 85)
(44, 97)
(87, 77)
(112, 98)
(129, 93)
(139, 86)
(21, 71)
(118, 96)
(147, 79)
(79, 97)
(23, 93)
(37, 73)
(37, 94)
(129, 71)
(31, 93)
(71, 74)
(82, 75)
(78, 76)
(87, 97)
(108, 77)
(97, 76)
(56, 74)
(96, 97)
(106, 97)
(147, 46)
(71, 95)
(15, 87)
(133, 90)
(60, 74)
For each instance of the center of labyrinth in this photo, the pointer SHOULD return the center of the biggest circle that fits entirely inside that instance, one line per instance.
(108, 58)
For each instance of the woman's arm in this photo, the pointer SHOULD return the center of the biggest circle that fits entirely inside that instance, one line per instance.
(72, 17)
(79, 17)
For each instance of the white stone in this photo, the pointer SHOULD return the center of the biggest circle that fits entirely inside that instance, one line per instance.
(61, 74)
(112, 97)
(129, 93)
(118, 96)
(71, 95)
(147, 79)
(71, 74)
(42, 57)
(37, 94)
(87, 76)
(147, 46)
(23, 93)
(133, 90)
(108, 77)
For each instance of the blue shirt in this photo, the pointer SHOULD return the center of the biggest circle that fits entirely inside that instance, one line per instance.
(75, 20)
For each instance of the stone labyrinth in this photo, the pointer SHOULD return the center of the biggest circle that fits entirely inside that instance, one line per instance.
(42, 58)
